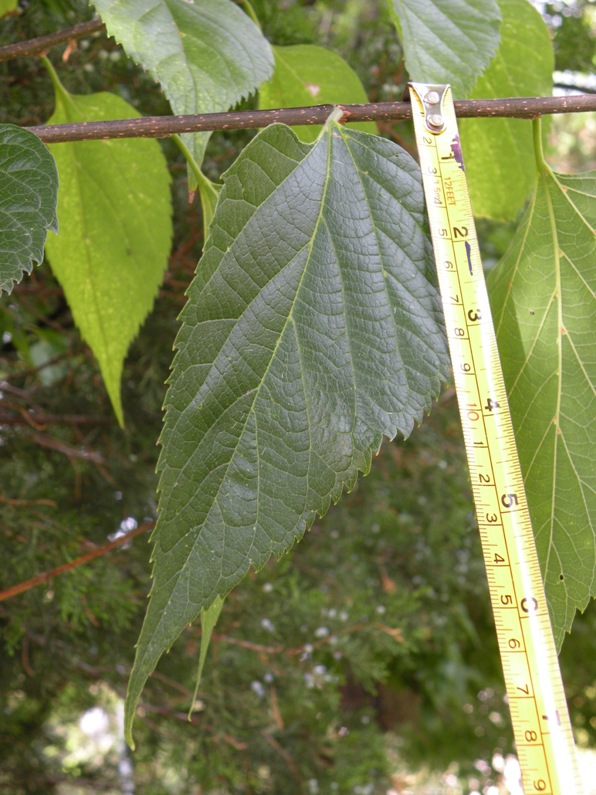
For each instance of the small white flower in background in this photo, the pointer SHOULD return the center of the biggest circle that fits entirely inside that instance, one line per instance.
(266, 624)
(321, 632)
(126, 526)
(257, 688)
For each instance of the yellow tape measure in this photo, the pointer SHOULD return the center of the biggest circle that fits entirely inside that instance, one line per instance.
(541, 725)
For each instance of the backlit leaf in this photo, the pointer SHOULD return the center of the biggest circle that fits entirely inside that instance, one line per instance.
(542, 295)
(499, 152)
(312, 330)
(447, 42)
(309, 75)
(7, 6)
(28, 196)
(115, 212)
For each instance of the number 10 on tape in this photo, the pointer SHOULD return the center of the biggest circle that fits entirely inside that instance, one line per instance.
(535, 692)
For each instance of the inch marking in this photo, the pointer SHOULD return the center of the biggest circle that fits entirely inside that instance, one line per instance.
(536, 697)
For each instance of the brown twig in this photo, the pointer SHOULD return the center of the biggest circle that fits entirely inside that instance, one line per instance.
(8, 593)
(246, 644)
(52, 443)
(164, 126)
(22, 503)
(42, 43)
(287, 759)
(44, 419)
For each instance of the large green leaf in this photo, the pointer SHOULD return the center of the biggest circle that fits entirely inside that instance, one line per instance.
(499, 152)
(115, 220)
(312, 329)
(309, 75)
(28, 196)
(207, 55)
(447, 42)
(543, 302)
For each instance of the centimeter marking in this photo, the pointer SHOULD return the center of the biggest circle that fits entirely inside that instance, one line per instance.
(541, 724)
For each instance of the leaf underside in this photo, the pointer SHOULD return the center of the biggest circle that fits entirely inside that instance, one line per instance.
(312, 329)
(542, 295)
(28, 197)
(206, 56)
(447, 42)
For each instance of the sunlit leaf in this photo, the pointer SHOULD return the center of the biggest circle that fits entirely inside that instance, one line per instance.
(28, 196)
(499, 152)
(312, 330)
(309, 75)
(7, 6)
(543, 300)
(115, 212)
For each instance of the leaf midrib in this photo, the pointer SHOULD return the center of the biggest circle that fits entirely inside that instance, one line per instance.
(290, 318)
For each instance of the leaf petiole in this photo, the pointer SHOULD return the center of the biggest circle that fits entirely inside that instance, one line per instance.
(541, 163)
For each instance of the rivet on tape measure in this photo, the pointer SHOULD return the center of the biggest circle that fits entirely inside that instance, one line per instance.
(541, 724)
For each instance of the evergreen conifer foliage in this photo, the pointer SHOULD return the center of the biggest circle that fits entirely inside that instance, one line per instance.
(312, 329)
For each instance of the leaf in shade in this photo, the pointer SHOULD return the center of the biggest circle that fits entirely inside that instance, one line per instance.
(309, 75)
(28, 196)
(542, 295)
(209, 618)
(447, 42)
(499, 152)
(115, 231)
(312, 329)
(206, 56)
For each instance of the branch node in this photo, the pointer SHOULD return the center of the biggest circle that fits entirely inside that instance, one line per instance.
(343, 115)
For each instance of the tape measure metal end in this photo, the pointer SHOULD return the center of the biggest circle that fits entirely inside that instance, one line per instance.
(431, 98)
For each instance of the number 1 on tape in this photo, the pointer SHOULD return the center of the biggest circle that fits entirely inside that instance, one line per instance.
(541, 725)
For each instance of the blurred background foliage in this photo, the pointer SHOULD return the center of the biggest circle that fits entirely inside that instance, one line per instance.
(370, 651)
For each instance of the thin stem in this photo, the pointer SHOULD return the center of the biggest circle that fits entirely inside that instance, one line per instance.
(43, 43)
(58, 87)
(207, 189)
(194, 166)
(541, 163)
(166, 126)
(251, 12)
(96, 553)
